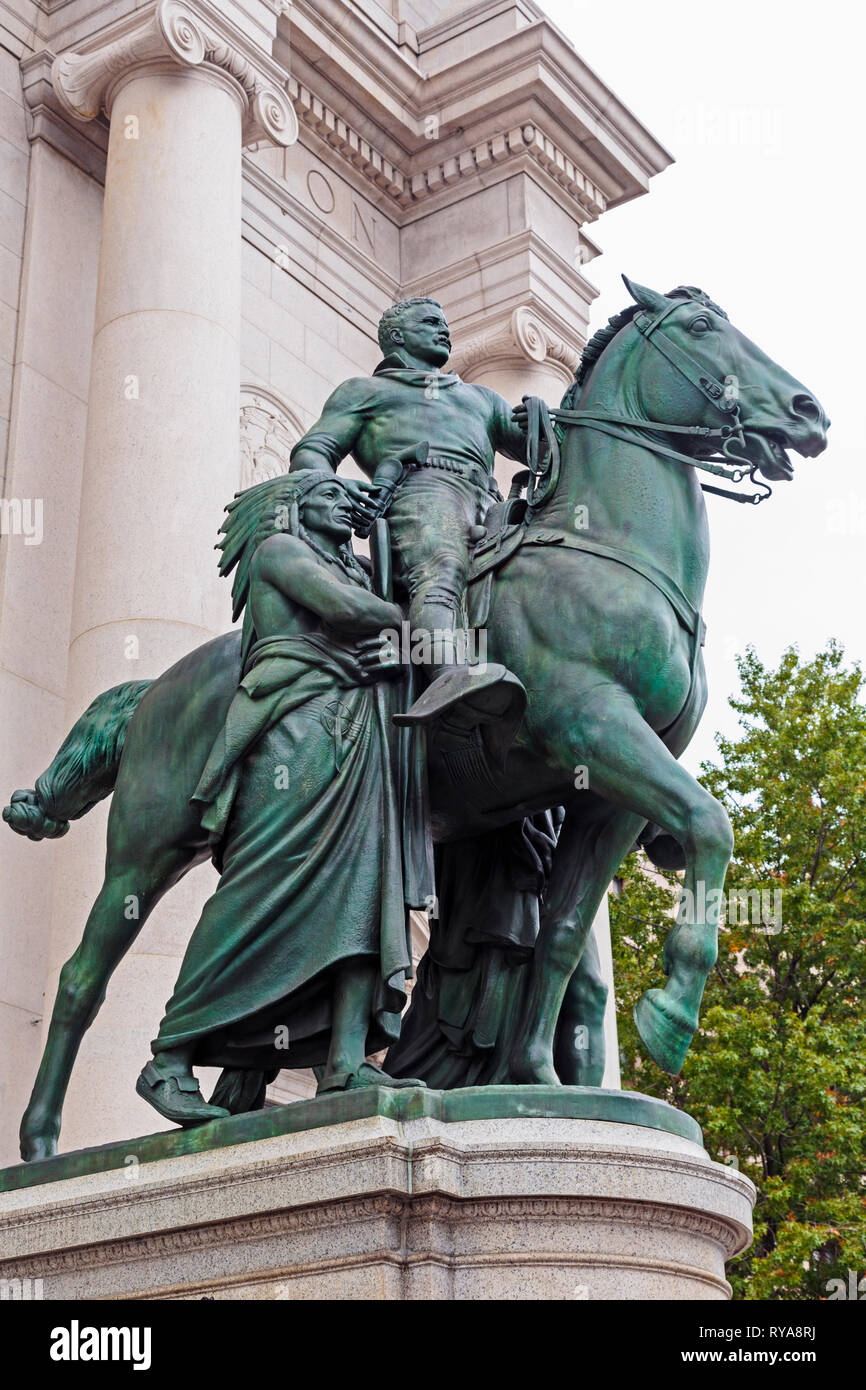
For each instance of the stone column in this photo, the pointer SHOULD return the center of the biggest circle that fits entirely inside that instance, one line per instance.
(184, 89)
(525, 353)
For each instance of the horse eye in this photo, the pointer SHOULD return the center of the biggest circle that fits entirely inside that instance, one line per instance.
(701, 325)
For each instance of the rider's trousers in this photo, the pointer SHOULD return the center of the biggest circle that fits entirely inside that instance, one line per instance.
(431, 519)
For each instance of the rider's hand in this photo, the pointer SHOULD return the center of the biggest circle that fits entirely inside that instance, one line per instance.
(519, 416)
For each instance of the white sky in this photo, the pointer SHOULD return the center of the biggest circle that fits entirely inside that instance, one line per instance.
(761, 105)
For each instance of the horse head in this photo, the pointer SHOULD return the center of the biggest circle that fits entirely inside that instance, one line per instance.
(683, 362)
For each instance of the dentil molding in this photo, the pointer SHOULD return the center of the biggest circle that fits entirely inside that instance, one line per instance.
(193, 34)
(422, 178)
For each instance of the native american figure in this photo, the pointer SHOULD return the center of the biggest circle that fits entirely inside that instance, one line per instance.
(301, 955)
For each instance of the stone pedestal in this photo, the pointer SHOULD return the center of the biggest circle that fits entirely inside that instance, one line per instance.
(494, 1193)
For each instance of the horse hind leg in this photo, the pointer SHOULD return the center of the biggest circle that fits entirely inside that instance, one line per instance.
(591, 847)
(579, 1047)
(126, 899)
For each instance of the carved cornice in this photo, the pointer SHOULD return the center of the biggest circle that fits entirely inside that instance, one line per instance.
(525, 336)
(420, 178)
(400, 88)
(548, 154)
(386, 1155)
(325, 121)
(509, 144)
(193, 34)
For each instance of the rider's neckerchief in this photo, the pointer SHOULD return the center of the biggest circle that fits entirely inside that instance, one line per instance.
(395, 368)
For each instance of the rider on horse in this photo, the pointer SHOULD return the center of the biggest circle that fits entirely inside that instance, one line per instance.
(442, 494)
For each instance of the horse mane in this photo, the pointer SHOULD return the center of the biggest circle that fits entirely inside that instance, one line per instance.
(597, 344)
(600, 340)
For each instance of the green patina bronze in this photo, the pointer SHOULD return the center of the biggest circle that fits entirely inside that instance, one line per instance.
(543, 766)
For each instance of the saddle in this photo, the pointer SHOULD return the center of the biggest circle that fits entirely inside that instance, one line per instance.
(506, 523)
(506, 529)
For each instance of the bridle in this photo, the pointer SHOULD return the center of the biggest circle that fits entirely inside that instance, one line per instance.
(720, 460)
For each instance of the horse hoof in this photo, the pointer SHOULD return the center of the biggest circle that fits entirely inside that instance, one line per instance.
(37, 1146)
(665, 1036)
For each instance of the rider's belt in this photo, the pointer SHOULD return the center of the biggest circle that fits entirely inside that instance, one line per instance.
(442, 461)
(475, 472)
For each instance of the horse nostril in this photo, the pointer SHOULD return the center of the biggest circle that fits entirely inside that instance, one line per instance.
(805, 406)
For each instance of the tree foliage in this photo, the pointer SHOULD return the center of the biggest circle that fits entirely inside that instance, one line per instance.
(776, 1075)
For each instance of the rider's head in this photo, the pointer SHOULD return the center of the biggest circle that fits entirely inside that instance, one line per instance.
(416, 330)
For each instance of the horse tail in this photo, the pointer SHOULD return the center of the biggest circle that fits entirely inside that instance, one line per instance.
(83, 771)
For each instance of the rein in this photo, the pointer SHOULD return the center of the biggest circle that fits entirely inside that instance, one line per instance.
(725, 464)
(720, 465)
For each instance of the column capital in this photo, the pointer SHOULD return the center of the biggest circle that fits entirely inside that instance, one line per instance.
(525, 335)
(192, 34)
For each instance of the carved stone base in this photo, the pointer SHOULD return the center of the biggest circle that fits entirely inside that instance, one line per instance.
(384, 1208)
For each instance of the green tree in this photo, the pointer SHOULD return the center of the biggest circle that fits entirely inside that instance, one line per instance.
(776, 1075)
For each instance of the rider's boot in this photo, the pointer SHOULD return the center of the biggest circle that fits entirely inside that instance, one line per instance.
(469, 695)
(462, 697)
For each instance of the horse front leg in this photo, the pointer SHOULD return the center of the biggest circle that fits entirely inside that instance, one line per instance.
(630, 766)
(592, 844)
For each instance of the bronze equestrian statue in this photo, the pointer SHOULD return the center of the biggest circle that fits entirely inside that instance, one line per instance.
(590, 593)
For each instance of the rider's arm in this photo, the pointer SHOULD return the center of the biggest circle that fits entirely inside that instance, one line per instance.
(336, 432)
(286, 563)
(506, 436)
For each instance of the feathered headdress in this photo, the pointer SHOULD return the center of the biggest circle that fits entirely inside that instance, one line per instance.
(260, 512)
(256, 514)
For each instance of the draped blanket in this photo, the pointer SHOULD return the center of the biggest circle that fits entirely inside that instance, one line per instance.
(469, 1003)
(304, 794)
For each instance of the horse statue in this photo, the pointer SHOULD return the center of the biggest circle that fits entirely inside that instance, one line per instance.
(592, 588)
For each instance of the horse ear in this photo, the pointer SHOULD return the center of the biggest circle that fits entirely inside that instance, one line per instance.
(647, 299)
